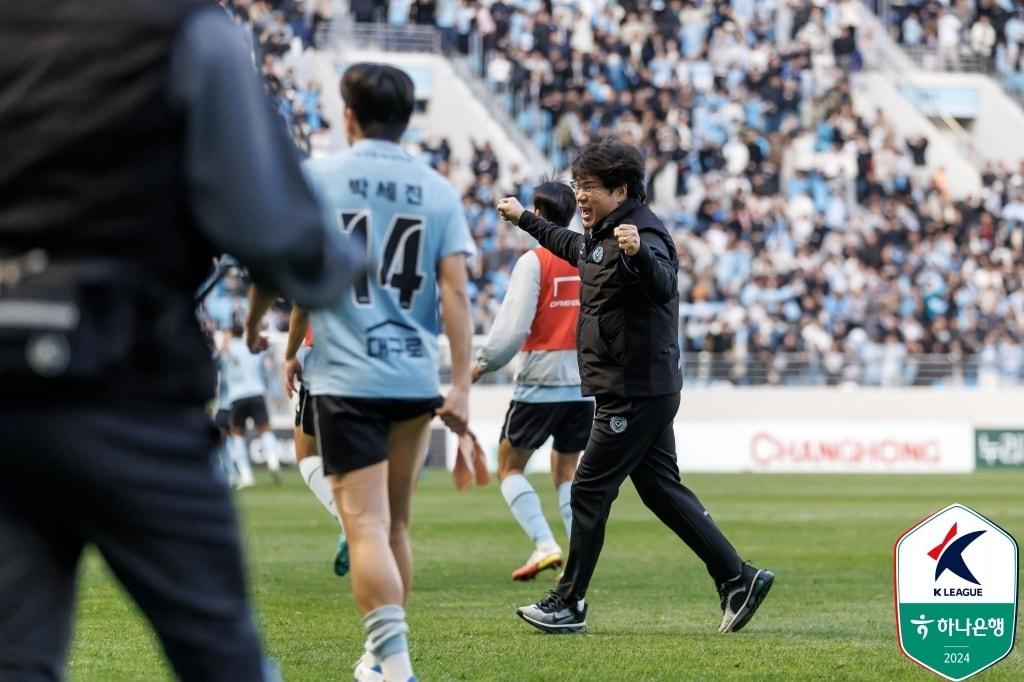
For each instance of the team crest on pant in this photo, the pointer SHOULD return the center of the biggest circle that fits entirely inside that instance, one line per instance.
(598, 254)
(618, 424)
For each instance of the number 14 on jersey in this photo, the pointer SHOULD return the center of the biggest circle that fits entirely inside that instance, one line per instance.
(399, 268)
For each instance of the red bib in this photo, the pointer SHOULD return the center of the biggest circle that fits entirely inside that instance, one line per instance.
(558, 306)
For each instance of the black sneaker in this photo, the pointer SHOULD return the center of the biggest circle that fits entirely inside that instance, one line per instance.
(551, 614)
(742, 595)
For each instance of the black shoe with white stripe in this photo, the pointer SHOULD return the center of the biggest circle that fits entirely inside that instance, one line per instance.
(552, 614)
(742, 595)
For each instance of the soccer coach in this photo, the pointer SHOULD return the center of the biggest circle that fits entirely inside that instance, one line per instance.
(136, 143)
(629, 360)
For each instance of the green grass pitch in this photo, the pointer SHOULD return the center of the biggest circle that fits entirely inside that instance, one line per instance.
(654, 612)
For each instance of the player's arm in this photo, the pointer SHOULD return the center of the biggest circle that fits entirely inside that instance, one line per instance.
(561, 241)
(260, 300)
(515, 317)
(452, 282)
(298, 323)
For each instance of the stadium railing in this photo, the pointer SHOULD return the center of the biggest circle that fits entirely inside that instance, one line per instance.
(363, 36)
(807, 369)
(928, 58)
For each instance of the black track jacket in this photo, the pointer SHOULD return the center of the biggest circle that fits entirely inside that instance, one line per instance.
(628, 333)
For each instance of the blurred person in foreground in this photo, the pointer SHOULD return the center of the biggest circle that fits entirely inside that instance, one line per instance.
(374, 374)
(134, 150)
(538, 316)
(629, 359)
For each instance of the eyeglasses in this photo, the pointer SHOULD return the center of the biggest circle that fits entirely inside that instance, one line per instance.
(589, 189)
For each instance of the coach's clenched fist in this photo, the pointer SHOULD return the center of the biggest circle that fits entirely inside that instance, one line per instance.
(629, 239)
(510, 209)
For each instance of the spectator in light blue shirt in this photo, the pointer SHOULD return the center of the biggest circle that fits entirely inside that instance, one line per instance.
(913, 32)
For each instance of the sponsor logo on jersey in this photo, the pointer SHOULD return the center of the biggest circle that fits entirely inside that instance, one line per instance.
(566, 292)
(387, 340)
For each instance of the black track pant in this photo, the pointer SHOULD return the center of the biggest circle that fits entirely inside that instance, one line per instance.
(633, 437)
(139, 485)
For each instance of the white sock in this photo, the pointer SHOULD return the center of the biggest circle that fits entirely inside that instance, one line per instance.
(386, 639)
(524, 502)
(397, 666)
(269, 444)
(370, 658)
(312, 469)
(565, 506)
(240, 456)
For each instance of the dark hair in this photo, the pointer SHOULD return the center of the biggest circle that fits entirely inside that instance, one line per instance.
(556, 201)
(381, 97)
(613, 164)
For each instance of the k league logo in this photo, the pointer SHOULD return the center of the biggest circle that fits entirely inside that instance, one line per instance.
(956, 592)
(598, 254)
(951, 558)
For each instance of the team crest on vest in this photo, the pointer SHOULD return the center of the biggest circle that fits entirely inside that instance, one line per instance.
(598, 256)
(618, 424)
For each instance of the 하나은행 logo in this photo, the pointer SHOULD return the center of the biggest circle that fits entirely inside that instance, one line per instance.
(956, 578)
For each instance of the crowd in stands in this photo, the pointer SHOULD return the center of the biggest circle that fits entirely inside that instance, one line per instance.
(814, 244)
(991, 31)
(811, 239)
(280, 31)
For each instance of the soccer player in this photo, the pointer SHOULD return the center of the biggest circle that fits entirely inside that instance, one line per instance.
(630, 360)
(374, 374)
(247, 390)
(539, 315)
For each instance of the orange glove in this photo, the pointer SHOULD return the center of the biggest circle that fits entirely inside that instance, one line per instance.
(470, 463)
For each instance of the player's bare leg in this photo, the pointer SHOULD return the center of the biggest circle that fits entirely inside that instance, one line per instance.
(378, 585)
(407, 450)
(362, 498)
(525, 505)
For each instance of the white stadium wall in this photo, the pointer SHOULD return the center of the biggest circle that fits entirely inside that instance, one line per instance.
(792, 430)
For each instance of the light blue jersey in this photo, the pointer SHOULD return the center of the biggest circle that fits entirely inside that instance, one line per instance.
(244, 371)
(380, 339)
